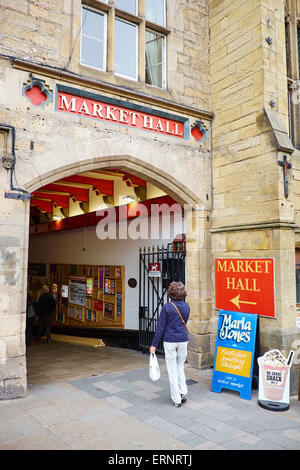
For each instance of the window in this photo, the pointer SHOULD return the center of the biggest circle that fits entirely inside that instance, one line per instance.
(155, 11)
(125, 49)
(93, 42)
(127, 5)
(297, 284)
(298, 44)
(118, 23)
(155, 59)
(292, 39)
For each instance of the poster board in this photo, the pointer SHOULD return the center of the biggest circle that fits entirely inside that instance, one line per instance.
(274, 380)
(77, 289)
(234, 353)
(90, 296)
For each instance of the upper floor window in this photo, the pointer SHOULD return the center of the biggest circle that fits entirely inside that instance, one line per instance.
(155, 11)
(155, 59)
(118, 23)
(292, 39)
(93, 39)
(298, 44)
(127, 5)
(125, 49)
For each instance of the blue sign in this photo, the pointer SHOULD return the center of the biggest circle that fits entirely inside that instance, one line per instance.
(234, 353)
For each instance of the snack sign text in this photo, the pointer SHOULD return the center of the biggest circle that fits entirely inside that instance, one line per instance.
(234, 352)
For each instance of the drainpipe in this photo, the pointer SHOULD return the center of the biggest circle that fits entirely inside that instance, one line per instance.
(9, 164)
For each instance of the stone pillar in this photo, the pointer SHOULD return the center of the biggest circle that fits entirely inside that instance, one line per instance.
(199, 285)
(14, 233)
(253, 216)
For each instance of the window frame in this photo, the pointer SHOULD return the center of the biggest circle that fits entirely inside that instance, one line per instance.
(126, 11)
(293, 76)
(105, 29)
(117, 18)
(164, 59)
(297, 284)
(111, 13)
(164, 14)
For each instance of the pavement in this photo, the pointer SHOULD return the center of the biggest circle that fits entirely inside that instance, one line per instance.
(83, 397)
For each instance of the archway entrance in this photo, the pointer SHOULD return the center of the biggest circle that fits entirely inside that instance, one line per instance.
(87, 230)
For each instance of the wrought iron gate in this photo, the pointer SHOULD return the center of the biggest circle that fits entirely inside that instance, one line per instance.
(153, 285)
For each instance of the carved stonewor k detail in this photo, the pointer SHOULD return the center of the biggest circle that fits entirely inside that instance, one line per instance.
(286, 166)
(198, 130)
(37, 91)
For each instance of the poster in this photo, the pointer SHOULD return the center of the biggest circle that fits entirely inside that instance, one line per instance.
(274, 380)
(77, 291)
(109, 310)
(101, 277)
(118, 273)
(65, 291)
(234, 353)
(109, 286)
(71, 311)
(119, 304)
(89, 286)
(54, 291)
(98, 305)
(79, 314)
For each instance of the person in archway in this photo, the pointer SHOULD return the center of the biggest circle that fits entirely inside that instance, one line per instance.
(44, 308)
(30, 315)
(172, 329)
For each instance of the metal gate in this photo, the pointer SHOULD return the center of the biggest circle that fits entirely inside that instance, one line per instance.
(158, 268)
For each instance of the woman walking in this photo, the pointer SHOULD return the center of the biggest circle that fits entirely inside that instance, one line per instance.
(172, 329)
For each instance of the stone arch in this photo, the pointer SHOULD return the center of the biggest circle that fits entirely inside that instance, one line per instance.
(197, 235)
(174, 188)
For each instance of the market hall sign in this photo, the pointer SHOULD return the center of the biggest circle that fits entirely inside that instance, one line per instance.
(245, 285)
(104, 108)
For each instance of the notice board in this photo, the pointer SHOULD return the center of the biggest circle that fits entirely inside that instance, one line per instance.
(77, 291)
(234, 353)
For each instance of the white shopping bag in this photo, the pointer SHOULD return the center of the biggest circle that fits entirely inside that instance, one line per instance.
(154, 370)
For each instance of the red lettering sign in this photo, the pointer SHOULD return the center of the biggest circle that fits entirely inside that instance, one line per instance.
(96, 109)
(245, 285)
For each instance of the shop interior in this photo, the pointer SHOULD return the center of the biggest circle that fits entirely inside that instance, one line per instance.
(86, 235)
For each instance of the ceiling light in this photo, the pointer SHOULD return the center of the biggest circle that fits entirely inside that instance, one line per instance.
(129, 199)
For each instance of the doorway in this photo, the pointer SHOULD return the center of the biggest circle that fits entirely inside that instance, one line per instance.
(158, 268)
(78, 248)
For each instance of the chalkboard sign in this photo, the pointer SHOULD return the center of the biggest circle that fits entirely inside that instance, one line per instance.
(77, 291)
(234, 353)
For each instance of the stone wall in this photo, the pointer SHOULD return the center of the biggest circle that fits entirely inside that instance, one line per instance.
(252, 218)
(48, 32)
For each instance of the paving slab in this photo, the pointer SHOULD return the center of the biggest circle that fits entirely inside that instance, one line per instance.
(113, 405)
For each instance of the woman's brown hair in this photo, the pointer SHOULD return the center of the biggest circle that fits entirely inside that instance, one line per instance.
(177, 291)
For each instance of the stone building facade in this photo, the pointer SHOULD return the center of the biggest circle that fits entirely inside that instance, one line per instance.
(218, 71)
(254, 213)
